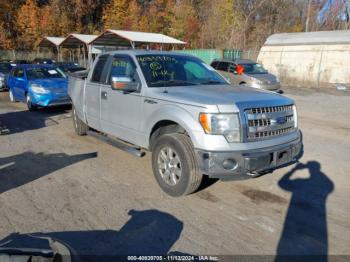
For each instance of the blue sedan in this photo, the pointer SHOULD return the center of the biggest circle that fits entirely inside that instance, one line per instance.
(38, 86)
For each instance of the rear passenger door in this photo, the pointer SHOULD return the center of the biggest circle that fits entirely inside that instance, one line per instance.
(93, 93)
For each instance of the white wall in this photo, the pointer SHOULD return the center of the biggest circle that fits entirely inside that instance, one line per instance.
(308, 65)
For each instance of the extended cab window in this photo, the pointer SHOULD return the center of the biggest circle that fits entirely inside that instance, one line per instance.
(100, 65)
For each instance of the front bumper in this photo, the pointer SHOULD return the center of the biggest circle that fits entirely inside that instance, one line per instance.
(247, 164)
(51, 99)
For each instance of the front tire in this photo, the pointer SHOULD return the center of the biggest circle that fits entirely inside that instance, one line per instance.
(79, 126)
(30, 105)
(175, 166)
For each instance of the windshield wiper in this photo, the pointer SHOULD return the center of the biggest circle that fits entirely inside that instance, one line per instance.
(212, 82)
(172, 82)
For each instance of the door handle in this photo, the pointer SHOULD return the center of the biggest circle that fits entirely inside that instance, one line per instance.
(104, 95)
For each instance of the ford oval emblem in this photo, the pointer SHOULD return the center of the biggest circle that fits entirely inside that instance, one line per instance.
(281, 120)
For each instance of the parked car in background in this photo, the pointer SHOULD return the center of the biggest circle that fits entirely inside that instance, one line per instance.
(38, 86)
(247, 72)
(48, 61)
(5, 69)
(70, 67)
(187, 115)
(21, 62)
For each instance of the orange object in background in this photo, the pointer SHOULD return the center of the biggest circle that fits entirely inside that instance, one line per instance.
(240, 69)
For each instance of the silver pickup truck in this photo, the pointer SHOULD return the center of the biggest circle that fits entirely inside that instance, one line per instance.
(191, 119)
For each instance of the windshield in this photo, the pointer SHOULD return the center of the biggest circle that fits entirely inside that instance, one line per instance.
(5, 68)
(176, 70)
(254, 69)
(40, 73)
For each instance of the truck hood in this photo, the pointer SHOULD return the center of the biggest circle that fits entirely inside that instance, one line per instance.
(53, 83)
(221, 96)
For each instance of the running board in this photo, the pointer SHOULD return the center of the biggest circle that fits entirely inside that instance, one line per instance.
(118, 144)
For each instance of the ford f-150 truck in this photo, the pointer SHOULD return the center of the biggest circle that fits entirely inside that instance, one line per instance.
(192, 120)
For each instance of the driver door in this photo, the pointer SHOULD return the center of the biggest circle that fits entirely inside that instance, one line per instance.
(121, 112)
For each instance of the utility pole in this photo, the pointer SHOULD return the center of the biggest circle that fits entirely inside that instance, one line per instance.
(307, 22)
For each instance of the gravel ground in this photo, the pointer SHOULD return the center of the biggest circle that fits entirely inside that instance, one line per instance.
(100, 200)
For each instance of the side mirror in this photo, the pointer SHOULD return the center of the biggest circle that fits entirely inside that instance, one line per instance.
(123, 83)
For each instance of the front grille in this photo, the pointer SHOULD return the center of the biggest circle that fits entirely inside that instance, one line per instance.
(266, 122)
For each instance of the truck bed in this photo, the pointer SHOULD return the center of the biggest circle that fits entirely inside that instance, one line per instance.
(76, 91)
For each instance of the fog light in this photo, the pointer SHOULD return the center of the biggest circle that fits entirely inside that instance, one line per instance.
(229, 164)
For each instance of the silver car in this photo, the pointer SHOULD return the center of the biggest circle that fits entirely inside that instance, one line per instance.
(253, 74)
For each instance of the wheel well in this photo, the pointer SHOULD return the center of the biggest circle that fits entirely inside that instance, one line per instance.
(242, 83)
(164, 127)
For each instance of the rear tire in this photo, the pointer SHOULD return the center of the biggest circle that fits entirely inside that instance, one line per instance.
(79, 126)
(30, 105)
(175, 166)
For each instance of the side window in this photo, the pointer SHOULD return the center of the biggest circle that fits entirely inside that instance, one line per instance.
(20, 73)
(122, 66)
(222, 66)
(232, 68)
(98, 70)
(15, 72)
(215, 64)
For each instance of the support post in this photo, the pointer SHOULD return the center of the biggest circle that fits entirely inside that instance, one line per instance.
(90, 48)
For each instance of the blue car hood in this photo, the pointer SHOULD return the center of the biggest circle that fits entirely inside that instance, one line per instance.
(53, 83)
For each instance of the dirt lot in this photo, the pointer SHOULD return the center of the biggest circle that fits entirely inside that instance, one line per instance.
(101, 200)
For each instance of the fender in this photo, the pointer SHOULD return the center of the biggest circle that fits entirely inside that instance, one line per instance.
(176, 114)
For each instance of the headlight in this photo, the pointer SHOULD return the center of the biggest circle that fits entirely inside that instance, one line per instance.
(39, 89)
(221, 124)
(2, 78)
(277, 79)
(295, 115)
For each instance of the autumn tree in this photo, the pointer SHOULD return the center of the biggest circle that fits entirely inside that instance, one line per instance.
(132, 18)
(185, 24)
(5, 41)
(115, 14)
(28, 25)
(160, 14)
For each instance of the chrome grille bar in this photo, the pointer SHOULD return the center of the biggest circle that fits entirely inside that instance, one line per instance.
(266, 122)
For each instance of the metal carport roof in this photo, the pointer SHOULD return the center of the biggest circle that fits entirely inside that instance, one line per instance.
(126, 38)
(75, 40)
(50, 41)
(310, 38)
